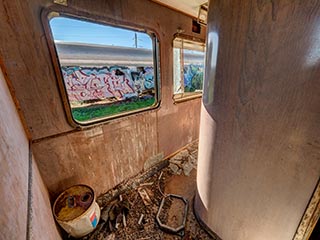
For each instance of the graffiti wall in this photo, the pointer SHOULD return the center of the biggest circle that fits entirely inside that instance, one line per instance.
(100, 83)
(193, 77)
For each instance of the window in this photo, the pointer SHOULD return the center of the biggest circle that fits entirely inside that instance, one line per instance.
(188, 70)
(106, 71)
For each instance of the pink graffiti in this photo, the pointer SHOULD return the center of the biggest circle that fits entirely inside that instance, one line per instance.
(96, 84)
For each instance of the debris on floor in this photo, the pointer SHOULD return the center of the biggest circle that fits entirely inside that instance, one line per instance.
(184, 162)
(130, 210)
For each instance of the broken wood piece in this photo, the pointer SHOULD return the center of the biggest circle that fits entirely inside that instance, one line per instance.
(187, 168)
(176, 162)
(118, 220)
(124, 220)
(105, 213)
(140, 219)
(174, 168)
(110, 226)
(144, 196)
(146, 184)
(160, 176)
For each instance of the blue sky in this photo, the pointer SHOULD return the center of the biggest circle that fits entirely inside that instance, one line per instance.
(73, 30)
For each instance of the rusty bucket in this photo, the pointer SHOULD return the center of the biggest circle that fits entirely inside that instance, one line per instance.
(77, 211)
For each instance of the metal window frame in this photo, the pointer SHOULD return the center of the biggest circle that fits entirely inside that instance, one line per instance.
(61, 11)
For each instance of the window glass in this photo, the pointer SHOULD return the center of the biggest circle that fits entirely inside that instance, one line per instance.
(188, 59)
(107, 71)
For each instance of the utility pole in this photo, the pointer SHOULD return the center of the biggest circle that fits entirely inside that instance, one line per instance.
(136, 40)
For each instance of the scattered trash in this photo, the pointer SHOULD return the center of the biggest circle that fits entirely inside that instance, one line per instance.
(140, 219)
(124, 220)
(174, 168)
(145, 197)
(159, 180)
(105, 213)
(184, 161)
(129, 210)
(146, 184)
(160, 176)
(187, 168)
(114, 214)
(118, 220)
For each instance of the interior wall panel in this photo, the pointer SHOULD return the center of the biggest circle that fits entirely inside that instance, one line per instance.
(27, 61)
(259, 158)
(98, 156)
(42, 224)
(14, 159)
(23, 214)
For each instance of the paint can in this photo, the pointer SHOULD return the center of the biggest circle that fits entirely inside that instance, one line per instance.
(76, 210)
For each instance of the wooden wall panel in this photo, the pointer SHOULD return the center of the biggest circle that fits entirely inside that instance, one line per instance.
(180, 125)
(42, 224)
(14, 152)
(29, 68)
(100, 157)
(15, 221)
(259, 156)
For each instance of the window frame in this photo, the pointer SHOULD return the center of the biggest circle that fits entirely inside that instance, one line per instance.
(48, 14)
(182, 97)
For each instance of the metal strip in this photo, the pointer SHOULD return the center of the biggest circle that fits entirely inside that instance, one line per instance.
(29, 209)
(310, 216)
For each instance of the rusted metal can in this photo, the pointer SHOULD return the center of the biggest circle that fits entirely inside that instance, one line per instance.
(77, 211)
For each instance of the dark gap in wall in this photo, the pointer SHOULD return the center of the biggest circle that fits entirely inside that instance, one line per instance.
(315, 235)
(196, 27)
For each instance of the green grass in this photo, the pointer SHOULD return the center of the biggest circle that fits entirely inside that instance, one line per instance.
(94, 112)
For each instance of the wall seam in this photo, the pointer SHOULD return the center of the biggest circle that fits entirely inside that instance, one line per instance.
(29, 208)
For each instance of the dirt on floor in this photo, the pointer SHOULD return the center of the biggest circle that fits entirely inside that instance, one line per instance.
(129, 211)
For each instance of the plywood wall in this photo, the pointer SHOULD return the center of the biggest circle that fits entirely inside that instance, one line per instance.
(23, 214)
(105, 155)
(259, 158)
(14, 159)
(42, 224)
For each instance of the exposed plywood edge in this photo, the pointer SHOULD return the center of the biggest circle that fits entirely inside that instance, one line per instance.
(310, 216)
(174, 9)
